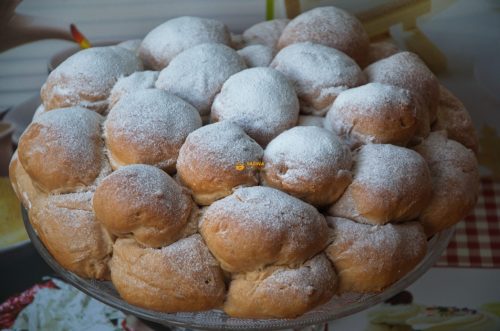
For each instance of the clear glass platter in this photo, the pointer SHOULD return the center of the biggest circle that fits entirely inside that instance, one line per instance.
(337, 307)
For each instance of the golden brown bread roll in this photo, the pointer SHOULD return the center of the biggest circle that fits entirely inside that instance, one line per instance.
(257, 226)
(329, 26)
(408, 71)
(22, 184)
(210, 159)
(167, 40)
(281, 292)
(455, 182)
(67, 227)
(259, 100)
(62, 150)
(390, 183)
(183, 276)
(374, 113)
(196, 75)
(452, 116)
(144, 201)
(308, 162)
(149, 126)
(369, 258)
(265, 33)
(139, 80)
(86, 78)
(318, 73)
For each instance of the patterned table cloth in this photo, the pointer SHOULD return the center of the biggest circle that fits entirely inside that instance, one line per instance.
(476, 243)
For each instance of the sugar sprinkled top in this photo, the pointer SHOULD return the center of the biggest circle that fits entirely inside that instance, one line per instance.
(148, 113)
(220, 145)
(257, 55)
(265, 33)
(308, 152)
(197, 74)
(389, 240)
(167, 40)
(137, 81)
(259, 100)
(88, 76)
(318, 72)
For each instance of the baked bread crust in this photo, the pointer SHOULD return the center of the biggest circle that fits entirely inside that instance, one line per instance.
(215, 159)
(186, 277)
(369, 258)
(281, 292)
(455, 182)
(390, 184)
(153, 208)
(309, 163)
(329, 26)
(62, 150)
(268, 227)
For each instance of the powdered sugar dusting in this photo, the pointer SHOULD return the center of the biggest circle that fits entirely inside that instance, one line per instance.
(197, 74)
(308, 152)
(221, 146)
(150, 119)
(318, 73)
(373, 113)
(88, 76)
(257, 55)
(394, 242)
(265, 33)
(388, 167)
(259, 100)
(71, 138)
(139, 80)
(167, 40)
(329, 26)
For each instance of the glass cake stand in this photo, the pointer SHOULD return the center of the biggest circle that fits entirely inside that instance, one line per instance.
(337, 307)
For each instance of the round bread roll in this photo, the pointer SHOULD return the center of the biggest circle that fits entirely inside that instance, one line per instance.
(67, 227)
(183, 276)
(214, 160)
(258, 226)
(149, 126)
(86, 78)
(144, 201)
(22, 184)
(260, 100)
(139, 80)
(281, 292)
(38, 111)
(369, 258)
(309, 163)
(167, 40)
(62, 150)
(380, 50)
(408, 71)
(265, 33)
(329, 26)
(390, 183)
(455, 182)
(197, 74)
(452, 116)
(257, 55)
(309, 120)
(319, 73)
(374, 113)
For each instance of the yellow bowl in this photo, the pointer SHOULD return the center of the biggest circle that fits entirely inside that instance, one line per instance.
(12, 232)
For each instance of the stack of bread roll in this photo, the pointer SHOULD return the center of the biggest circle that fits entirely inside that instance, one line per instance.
(261, 173)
